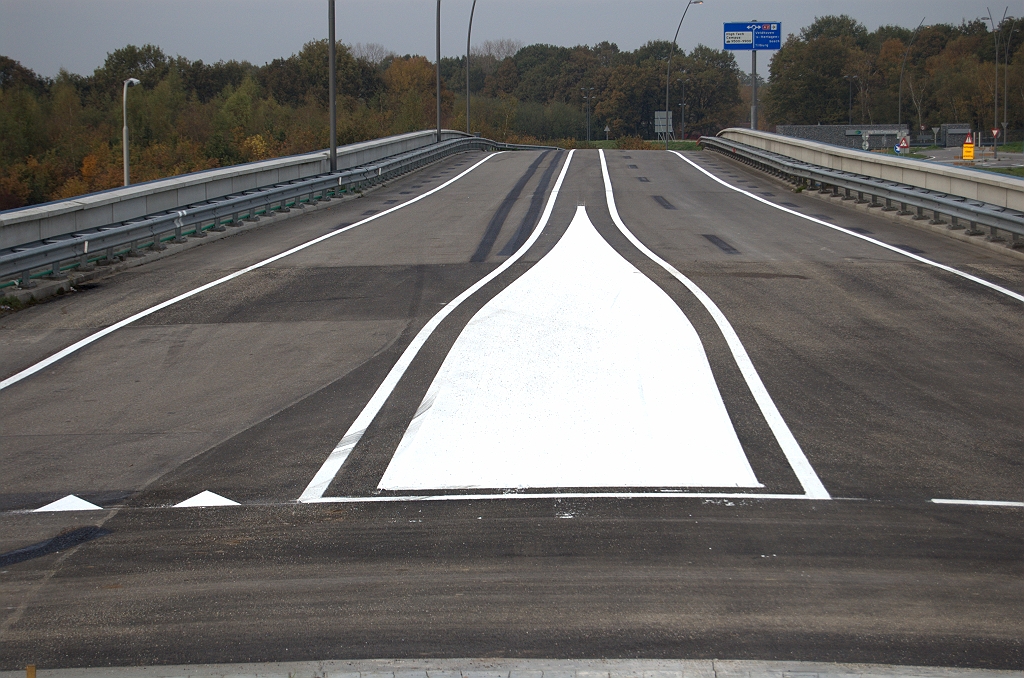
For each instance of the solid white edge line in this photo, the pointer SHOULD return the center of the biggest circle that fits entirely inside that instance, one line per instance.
(554, 495)
(790, 447)
(891, 248)
(323, 478)
(979, 502)
(43, 364)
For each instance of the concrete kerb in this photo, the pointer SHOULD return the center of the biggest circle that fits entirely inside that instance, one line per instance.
(905, 219)
(47, 288)
(524, 668)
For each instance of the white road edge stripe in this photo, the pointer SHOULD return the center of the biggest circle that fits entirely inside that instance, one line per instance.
(805, 473)
(323, 478)
(43, 364)
(979, 502)
(897, 250)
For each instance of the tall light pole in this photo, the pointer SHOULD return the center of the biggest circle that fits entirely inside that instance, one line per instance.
(1006, 76)
(899, 104)
(438, 71)
(587, 95)
(469, 35)
(682, 108)
(332, 85)
(995, 99)
(130, 82)
(668, 70)
(850, 78)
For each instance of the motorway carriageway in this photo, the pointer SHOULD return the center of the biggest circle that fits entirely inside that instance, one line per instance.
(627, 403)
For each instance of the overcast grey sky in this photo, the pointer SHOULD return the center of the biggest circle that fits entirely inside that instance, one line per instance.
(46, 35)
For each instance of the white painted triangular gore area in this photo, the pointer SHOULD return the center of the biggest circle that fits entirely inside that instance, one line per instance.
(581, 373)
(206, 498)
(69, 503)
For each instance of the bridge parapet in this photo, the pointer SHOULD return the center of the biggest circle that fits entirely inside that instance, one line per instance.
(987, 187)
(54, 219)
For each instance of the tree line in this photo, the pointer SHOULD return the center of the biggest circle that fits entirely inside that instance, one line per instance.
(61, 137)
(948, 74)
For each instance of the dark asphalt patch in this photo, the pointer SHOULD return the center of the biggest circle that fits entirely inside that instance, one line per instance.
(342, 225)
(663, 202)
(908, 248)
(483, 250)
(390, 202)
(768, 194)
(826, 217)
(61, 542)
(790, 205)
(643, 179)
(632, 166)
(720, 244)
(369, 212)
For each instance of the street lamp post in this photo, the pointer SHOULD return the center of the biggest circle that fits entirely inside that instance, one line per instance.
(995, 98)
(587, 95)
(438, 71)
(333, 84)
(899, 104)
(668, 69)
(130, 82)
(682, 107)
(850, 78)
(469, 35)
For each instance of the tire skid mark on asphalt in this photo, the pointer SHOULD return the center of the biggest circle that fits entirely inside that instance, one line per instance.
(892, 248)
(43, 364)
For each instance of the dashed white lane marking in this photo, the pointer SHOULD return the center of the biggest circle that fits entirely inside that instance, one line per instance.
(891, 248)
(318, 485)
(206, 498)
(581, 373)
(790, 447)
(43, 364)
(979, 502)
(68, 503)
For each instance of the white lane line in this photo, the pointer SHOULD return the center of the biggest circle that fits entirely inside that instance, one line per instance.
(790, 447)
(43, 364)
(557, 495)
(979, 502)
(891, 248)
(323, 478)
(581, 373)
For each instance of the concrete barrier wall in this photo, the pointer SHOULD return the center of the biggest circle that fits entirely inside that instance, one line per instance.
(39, 222)
(996, 189)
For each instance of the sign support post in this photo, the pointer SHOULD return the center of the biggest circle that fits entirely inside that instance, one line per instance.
(753, 91)
(753, 36)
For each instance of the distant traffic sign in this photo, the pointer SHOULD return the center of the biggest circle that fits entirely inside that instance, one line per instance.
(904, 144)
(753, 35)
(995, 133)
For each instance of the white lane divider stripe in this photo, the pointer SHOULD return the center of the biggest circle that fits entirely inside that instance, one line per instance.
(556, 495)
(790, 447)
(78, 345)
(979, 502)
(323, 478)
(891, 248)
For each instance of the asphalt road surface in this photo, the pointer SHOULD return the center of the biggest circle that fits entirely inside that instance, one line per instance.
(513, 418)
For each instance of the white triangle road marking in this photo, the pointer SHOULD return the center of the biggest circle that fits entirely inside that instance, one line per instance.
(206, 498)
(69, 503)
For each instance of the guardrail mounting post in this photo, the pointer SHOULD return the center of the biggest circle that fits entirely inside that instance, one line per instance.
(25, 280)
(993, 235)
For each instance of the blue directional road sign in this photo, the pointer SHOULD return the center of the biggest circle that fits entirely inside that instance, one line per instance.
(753, 35)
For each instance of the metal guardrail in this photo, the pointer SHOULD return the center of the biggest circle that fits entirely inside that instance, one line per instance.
(881, 193)
(107, 244)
